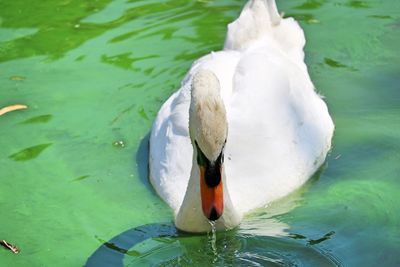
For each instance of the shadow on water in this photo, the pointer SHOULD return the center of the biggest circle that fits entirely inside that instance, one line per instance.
(163, 245)
(261, 239)
(112, 252)
(142, 162)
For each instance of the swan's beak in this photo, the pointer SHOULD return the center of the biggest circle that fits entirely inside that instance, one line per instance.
(212, 197)
(211, 189)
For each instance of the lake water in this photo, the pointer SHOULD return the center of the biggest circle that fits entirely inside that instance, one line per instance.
(73, 173)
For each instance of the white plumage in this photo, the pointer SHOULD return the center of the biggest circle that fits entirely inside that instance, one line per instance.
(279, 129)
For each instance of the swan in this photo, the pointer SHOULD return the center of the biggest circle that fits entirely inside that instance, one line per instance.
(246, 127)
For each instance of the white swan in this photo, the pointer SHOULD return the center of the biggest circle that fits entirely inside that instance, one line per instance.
(254, 103)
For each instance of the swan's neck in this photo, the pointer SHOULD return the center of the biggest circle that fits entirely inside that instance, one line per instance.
(207, 115)
(190, 217)
(208, 129)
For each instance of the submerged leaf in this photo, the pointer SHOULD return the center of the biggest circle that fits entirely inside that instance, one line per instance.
(39, 119)
(29, 153)
(334, 63)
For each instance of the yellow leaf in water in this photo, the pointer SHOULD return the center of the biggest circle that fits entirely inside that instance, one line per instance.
(17, 78)
(12, 108)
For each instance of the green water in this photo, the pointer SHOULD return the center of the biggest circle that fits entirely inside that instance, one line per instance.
(94, 73)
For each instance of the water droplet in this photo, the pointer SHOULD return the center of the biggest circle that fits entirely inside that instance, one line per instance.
(213, 238)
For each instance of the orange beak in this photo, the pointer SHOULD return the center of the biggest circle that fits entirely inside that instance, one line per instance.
(212, 198)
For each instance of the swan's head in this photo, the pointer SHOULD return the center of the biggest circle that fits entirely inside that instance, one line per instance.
(208, 129)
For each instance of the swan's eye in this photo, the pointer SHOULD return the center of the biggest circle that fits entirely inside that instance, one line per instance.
(212, 175)
(220, 158)
(201, 158)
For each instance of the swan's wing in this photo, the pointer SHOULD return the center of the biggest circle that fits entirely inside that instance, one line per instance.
(170, 149)
(279, 129)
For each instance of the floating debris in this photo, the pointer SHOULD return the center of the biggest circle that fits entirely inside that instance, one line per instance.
(9, 246)
(12, 108)
(125, 111)
(306, 17)
(119, 144)
(80, 178)
(312, 21)
(17, 78)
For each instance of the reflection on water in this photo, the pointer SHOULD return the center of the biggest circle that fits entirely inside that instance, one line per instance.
(162, 245)
(260, 240)
(322, 239)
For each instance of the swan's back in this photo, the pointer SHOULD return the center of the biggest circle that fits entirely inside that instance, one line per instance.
(260, 23)
(279, 128)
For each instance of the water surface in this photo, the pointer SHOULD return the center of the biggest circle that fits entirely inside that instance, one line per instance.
(73, 173)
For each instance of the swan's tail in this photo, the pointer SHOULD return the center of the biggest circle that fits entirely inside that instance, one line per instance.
(261, 21)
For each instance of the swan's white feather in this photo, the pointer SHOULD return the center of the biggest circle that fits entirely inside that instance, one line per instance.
(279, 128)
